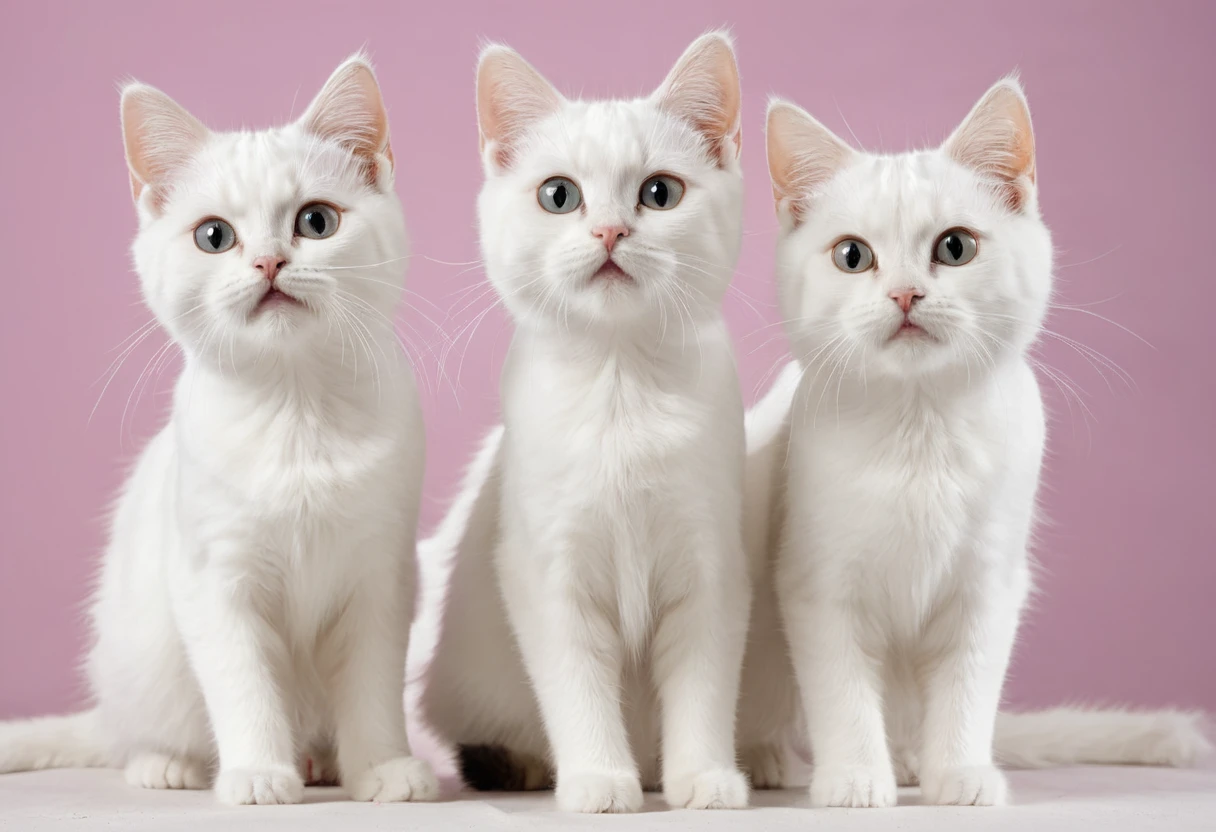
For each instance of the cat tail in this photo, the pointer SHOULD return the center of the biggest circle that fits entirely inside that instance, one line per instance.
(495, 768)
(72, 741)
(1100, 736)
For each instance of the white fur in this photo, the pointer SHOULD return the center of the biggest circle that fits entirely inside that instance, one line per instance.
(611, 507)
(913, 461)
(255, 598)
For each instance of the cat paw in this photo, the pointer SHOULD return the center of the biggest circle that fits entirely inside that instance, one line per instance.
(396, 781)
(765, 766)
(966, 786)
(599, 792)
(721, 788)
(153, 770)
(264, 786)
(853, 786)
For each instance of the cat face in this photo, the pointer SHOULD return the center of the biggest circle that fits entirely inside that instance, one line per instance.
(256, 243)
(611, 213)
(912, 264)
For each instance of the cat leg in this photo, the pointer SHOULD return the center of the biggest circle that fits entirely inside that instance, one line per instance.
(239, 660)
(367, 690)
(970, 646)
(841, 691)
(698, 656)
(573, 654)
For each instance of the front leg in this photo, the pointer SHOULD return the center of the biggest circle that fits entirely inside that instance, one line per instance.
(698, 656)
(572, 653)
(242, 666)
(841, 694)
(367, 656)
(970, 644)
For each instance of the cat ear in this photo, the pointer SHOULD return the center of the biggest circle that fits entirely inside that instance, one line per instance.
(802, 156)
(996, 140)
(703, 90)
(349, 110)
(511, 95)
(159, 137)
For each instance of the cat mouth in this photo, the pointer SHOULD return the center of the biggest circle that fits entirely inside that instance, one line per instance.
(909, 330)
(276, 298)
(610, 272)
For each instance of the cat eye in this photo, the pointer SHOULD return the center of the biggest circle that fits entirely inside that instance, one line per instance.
(956, 247)
(559, 195)
(661, 192)
(317, 221)
(852, 256)
(214, 236)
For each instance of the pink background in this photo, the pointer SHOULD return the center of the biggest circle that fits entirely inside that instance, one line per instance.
(1124, 128)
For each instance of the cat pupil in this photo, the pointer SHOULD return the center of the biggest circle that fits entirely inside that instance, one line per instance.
(852, 255)
(214, 236)
(954, 245)
(659, 189)
(559, 196)
(317, 220)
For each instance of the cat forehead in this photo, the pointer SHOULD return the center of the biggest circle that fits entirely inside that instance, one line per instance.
(905, 193)
(592, 136)
(267, 167)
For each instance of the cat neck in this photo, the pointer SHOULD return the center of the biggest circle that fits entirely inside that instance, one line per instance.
(330, 368)
(677, 344)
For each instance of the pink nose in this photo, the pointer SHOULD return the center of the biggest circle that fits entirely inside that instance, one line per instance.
(609, 234)
(269, 266)
(906, 297)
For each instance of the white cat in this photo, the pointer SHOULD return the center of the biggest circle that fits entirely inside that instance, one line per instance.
(255, 599)
(912, 287)
(610, 230)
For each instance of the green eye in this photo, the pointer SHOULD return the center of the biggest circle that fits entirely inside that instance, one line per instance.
(214, 236)
(955, 248)
(317, 221)
(662, 193)
(852, 256)
(559, 195)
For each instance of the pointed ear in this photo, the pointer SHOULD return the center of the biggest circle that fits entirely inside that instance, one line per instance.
(703, 90)
(802, 156)
(996, 140)
(159, 137)
(511, 96)
(349, 110)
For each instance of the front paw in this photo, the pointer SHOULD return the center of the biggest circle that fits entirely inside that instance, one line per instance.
(599, 792)
(853, 786)
(263, 786)
(722, 788)
(396, 781)
(965, 786)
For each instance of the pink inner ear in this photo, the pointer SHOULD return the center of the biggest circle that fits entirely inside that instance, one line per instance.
(511, 96)
(349, 110)
(997, 141)
(802, 156)
(703, 90)
(159, 136)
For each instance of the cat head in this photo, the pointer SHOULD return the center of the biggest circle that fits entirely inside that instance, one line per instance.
(614, 213)
(261, 242)
(917, 263)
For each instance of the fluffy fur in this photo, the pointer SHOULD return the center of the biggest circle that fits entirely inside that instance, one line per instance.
(253, 606)
(603, 520)
(915, 441)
